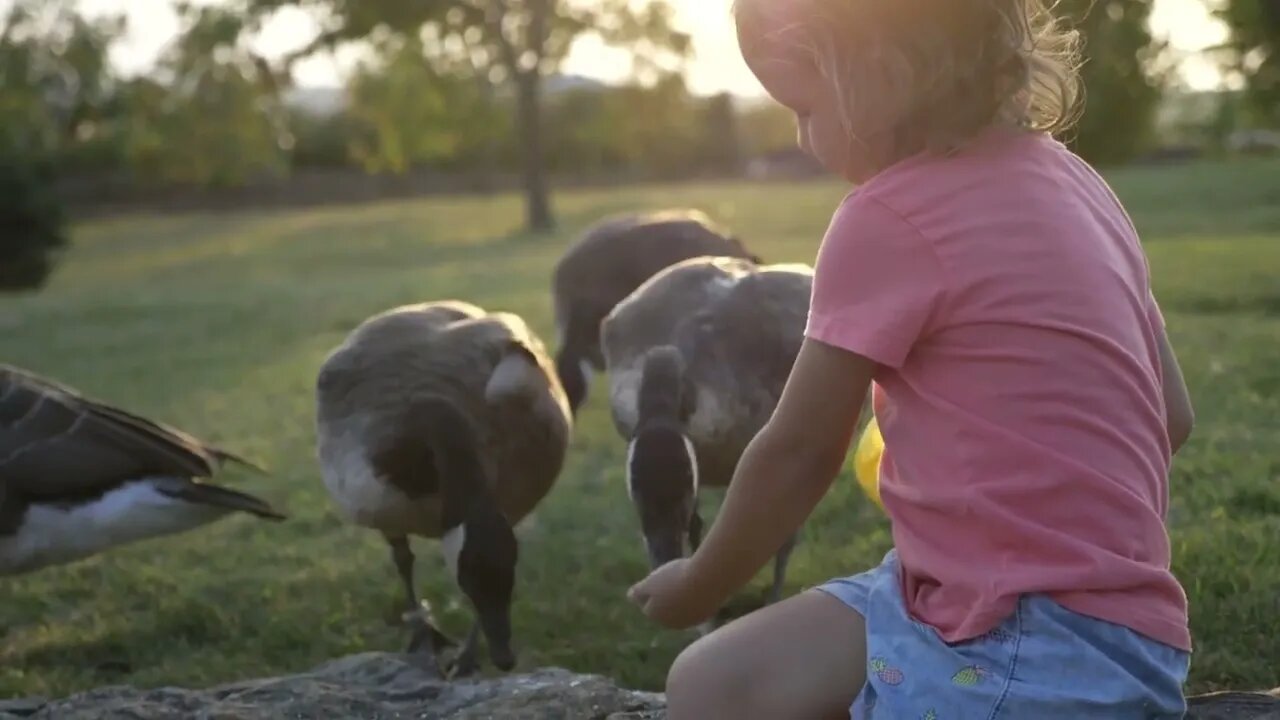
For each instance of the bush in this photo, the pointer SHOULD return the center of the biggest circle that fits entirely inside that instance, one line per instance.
(32, 224)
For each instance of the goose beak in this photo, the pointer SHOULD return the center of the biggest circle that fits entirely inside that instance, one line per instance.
(663, 548)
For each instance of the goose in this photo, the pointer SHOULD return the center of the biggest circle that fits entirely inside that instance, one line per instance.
(610, 260)
(79, 476)
(697, 358)
(442, 420)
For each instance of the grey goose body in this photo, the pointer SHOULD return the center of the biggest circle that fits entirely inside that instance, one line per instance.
(79, 476)
(609, 261)
(697, 359)
(441, 420)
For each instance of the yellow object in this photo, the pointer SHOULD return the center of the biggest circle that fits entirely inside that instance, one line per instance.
(866, 461)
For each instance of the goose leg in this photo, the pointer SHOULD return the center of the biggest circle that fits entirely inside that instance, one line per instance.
(402, 556)
(425, 637)
(780, 569)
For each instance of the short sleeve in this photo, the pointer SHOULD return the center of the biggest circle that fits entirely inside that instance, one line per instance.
(877, 284)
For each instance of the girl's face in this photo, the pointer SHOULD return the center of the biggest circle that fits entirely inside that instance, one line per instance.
(795, 82)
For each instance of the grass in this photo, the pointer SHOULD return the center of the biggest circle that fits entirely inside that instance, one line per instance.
(218, 323)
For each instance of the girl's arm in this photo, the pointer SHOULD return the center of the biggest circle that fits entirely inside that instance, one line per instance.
(1179, 417)
(784, 472)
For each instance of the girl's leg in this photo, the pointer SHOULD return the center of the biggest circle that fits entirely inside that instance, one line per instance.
(802, 658)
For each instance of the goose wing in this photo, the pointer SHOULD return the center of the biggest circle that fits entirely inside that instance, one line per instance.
(56, 442)
(759, 325)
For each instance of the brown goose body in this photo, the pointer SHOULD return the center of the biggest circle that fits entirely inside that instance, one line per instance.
(737, 327)
(609, 261)
(697, 358)
(78, 476)
(445, 421)
(371, 452)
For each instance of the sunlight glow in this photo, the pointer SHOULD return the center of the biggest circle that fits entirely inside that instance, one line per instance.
(716, 66)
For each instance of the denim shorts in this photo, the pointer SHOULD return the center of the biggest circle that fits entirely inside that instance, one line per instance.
(1043, 662)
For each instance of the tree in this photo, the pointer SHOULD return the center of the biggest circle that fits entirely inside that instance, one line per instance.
(32, 218)
(514, 44)
(56, 91)
(721, 142)
(59, 92)
(1123, 77)
(212, 113)
(412, 112)
(767, 127)
(1253, 52)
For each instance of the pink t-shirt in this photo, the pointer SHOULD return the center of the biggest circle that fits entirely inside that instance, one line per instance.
(1006, 299)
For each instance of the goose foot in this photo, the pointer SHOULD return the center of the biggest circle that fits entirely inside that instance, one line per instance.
(466, 663)
(425, 641)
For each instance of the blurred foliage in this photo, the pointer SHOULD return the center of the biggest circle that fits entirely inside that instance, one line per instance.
(513, 44)
(1253, 52)
(57, 90)
(1125, 74)
(211, 114)
(34, 232)
(412, 111)
(765, 128)
(473, 87)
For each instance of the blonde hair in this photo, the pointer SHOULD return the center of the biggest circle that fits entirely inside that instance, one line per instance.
(916, 75)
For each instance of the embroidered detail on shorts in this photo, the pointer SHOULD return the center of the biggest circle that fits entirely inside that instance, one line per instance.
(969, 676)
(888, 675)
(929, 714)
(999, 636)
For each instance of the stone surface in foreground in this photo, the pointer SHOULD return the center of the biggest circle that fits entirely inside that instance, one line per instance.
(380, 686)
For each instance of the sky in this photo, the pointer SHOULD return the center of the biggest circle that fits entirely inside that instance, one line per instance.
(716, 66)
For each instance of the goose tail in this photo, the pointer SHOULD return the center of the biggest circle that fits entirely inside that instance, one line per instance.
(225, 457)
(200, 493)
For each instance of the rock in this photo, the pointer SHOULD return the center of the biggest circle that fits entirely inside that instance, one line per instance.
(376, 686)
(380, 686)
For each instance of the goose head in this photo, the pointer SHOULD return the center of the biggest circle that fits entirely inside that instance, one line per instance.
(662, 479)
(662, 467)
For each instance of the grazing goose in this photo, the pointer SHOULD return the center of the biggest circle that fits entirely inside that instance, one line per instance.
(611, 259)
(78, 476)
(697, 359)
(443, 421)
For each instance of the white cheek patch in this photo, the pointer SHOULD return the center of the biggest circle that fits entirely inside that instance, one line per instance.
(451, 547)
(693, 462)
(631, 454)
(693, 465)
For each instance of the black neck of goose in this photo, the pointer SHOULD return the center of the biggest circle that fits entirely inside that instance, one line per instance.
(661, 396)
(455, 455)
(572, 377)
(464, 490)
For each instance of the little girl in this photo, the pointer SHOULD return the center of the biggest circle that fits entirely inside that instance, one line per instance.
(988, 285)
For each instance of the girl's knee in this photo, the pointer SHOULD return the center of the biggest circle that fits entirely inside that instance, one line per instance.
(705, 682)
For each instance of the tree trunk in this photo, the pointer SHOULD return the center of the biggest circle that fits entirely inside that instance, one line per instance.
(538, 216)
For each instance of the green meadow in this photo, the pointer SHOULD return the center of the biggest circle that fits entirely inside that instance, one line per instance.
(217, 323)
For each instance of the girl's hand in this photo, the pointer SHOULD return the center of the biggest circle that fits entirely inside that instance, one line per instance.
(667, 597)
